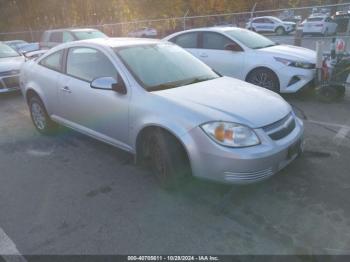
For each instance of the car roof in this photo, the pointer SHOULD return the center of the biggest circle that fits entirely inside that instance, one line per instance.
(267, 16)
(71, 29)
(113, 42)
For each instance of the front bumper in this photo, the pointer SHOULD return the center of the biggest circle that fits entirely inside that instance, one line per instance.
(242, 165)
(292, 79)
(9, 83)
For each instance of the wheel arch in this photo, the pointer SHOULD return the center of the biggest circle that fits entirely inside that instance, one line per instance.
(266, 68)
(144, 131)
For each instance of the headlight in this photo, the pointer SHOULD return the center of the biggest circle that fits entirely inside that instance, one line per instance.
(287, 62)
(231, 134)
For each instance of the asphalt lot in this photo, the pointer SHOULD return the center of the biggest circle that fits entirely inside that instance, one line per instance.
(69, 194)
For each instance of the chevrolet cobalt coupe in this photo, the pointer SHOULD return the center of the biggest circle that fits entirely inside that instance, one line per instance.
(160, 103)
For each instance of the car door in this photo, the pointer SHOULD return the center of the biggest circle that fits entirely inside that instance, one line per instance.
(100, 113)
(260, 25)
(213, 52)
(270, 25)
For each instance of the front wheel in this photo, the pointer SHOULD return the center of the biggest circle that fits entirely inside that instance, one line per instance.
(168, 159)
(280, 31)
(40, 118)
(265, 78)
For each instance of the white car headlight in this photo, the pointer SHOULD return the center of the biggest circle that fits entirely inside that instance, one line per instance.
(231, 134)
(287, 62)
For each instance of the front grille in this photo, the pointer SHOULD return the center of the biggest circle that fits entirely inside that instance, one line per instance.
(281, 128)
(11, 82)
(248, 176)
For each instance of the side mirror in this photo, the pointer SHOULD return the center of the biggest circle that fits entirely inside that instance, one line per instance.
(109, 83)
(233, 47)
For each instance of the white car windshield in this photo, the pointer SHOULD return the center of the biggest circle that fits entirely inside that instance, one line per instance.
(163, 66)
(250, 39)
(6, 51)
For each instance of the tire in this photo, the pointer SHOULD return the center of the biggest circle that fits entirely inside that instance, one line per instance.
(280, 30)
(167, 159)
(264, 77)
(40, 118)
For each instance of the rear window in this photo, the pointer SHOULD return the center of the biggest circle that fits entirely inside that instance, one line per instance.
(315, 19)
(82, 35)
(56, 37)
(188, 40)
(53, 61)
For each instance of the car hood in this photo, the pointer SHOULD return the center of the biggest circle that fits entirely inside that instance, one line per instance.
(289, 23)
(291, 52)
(229, 99)
(11, 63)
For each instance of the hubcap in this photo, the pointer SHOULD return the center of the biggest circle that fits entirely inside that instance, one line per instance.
(38, 116)
(264, 80)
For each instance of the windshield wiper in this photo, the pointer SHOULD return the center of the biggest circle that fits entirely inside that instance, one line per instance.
(161, 87)
(178, 83)
(198, 80)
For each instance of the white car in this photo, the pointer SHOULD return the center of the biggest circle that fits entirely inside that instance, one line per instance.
(248, 56)
(270, 24)
(10, 64)
(144, 32)
(323, 25)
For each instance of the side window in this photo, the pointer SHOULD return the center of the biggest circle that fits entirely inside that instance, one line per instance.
(67, 37)
(56, 37)
(259, 21)
(88, 64)
(268, 21)
(215, 41)
(53, 61)
(188, 40)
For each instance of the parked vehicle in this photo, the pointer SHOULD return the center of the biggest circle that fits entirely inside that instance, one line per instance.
(159, 102)
(248, 56)
(144, 32)
(270, 24)
(51, 38)
(323, 25)
(10, 64)
(22, 46)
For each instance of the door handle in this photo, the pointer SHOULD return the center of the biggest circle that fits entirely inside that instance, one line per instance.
(66, 89)
(203, 55)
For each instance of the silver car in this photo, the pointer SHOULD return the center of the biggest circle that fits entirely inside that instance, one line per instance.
(160, 103)
(10, 64)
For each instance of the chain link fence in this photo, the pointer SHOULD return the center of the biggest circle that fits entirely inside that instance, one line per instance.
(166, 26)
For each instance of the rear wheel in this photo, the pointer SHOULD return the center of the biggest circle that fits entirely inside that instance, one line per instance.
(40, 118)
(265, 78)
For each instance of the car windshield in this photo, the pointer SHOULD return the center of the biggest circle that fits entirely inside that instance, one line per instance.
(250, 39)
(163, 66)
(6, 51)
(82, 35)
